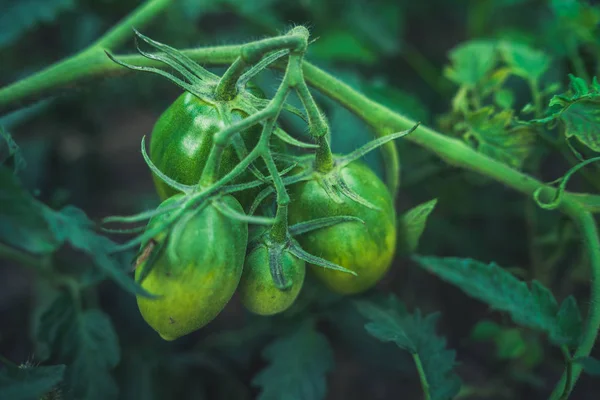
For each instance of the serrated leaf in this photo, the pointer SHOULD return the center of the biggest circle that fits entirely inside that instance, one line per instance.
(341, 45)
(471, 62)
(524, 61)
(497, 137)
(591, 366)
(10, 154)
(71, 225)
(298, 365)
(570, 322)
(29, 383)
(390, 322)
(534, 308)
(18, 16)
(94, 354)
(579, 110)
(411, 226)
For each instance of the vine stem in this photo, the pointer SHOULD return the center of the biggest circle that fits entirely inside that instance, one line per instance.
(78, 68)
(422, 376)
(72, 70)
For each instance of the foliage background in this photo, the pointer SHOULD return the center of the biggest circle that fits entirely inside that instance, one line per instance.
(83, 149)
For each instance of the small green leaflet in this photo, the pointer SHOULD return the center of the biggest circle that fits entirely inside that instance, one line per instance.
(471, 62)
(411, 226)
(28, 382)
(390, 322)
(524, 61)
(299, 363)
(497, 137)
(10, 153)
(579, 110)
(533, 307)
(591, 366)
(86, 342)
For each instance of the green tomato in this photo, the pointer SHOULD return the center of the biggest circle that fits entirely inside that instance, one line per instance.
(367, 249)
(257, 290)
(182, 139)
(196, 272)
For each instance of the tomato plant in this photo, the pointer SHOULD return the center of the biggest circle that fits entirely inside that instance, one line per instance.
(264, 219)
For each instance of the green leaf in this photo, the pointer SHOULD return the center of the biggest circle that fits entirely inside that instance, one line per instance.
(341, 45)
(591, 366)
(22, 222)
(29, 383)
(19, 16)
(510, 344)
(471, 62)
(72, 226)
(10, 154)
(496, 136)
(579, 110)
(298, 364)
(485, 330)
(390, 322)
(95, 352)
(524, 61)
(86, 342)
(504, 98)
(411, 226)
(406, 103)
(533, 307)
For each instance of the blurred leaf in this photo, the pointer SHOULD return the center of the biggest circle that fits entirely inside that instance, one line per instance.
(471, 62)
(298, 366)
(496, 137)
(525, 62)
(22, 221)
(381, 24)
(10, 153)
(19, 16)
(411, 226)
(591, 366)
(391, 323)
(533, 307)
(405, 103)
(579, 110)
(84, 340)
(71, 225)
(485, 330)
(504, 98)
(29, 383)
(510, 344)
(94, 352)
(341, 45)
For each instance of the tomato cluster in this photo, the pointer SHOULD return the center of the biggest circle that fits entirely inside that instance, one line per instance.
(195, 267)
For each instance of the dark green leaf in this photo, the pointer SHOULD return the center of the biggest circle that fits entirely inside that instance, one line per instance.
(29, 383)
(485, 330)
(496, 136)
(471, 62)
(534, 308)
(72, 226)
(510, 344)
(20, 16)
(411, 226)
(22, 222)
(94, 353)
(591, 366)
(391, 323)
(299, 363)
(10, 154)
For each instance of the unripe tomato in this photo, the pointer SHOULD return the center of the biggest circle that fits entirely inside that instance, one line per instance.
(196, 272)
(367, 249)
(257, 290)
(182, 139)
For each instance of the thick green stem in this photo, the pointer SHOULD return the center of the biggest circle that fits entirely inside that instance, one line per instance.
(323, 156)
(226, 89)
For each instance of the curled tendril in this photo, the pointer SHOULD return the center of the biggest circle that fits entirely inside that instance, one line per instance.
(558, 195)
